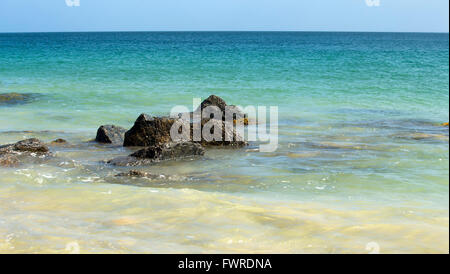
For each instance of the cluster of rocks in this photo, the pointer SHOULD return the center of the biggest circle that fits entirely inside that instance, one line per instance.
(154, 133)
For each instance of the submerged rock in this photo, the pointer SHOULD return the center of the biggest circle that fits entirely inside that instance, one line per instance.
(31, 145)
(9, 160)
(425, 136)
(150, 131)
(158, 153)
(170, 151)
(14, 154)
(110, 134)
(58, 142)
(14, 98)
(133, 173)
(141, 174)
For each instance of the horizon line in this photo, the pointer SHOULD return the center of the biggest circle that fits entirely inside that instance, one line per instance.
(174, 31)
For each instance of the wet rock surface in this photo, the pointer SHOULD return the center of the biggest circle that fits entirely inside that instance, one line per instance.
(30, 145)
(15, 154)
(133, 173)
(163, 152)
(149, 131)
(229, 136)
(110, 134)
(58, 142)
(147, 175)
(216, 101)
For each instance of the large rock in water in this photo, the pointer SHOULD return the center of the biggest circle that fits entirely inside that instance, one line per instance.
(154, 131)
(158, 153)
(227, 135)
(110, 134)
(13, 154)
(215, 101)
(218, 102)
(150, 131)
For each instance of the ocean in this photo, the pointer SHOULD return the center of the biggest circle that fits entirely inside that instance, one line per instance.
(362, 163)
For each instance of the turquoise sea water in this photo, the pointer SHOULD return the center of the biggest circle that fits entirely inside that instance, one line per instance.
(362, 157)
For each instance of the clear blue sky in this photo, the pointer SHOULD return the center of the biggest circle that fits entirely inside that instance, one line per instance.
(161, 15)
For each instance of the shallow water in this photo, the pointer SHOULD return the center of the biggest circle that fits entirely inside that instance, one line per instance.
(362, 157)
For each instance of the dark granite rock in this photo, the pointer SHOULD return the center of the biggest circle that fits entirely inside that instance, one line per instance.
(110, 134)
(129, 161)
(216, 101)
(158, 153)
(213, 100)
(170, 151)
(227, 135)
(150, 131)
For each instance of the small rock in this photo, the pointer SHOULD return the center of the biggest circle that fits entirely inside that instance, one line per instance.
(133, 173)
(139, 174)
(110, 134)
(14, 154)
(31, 145)
(59, 142)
